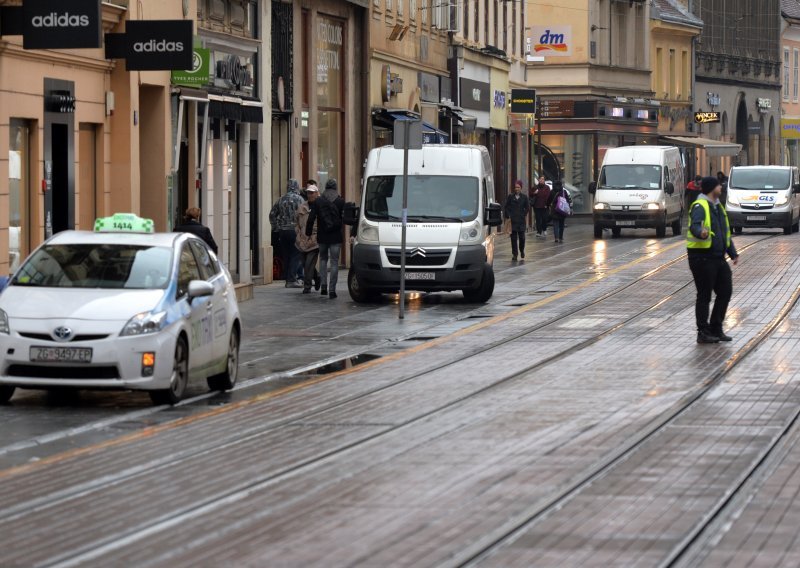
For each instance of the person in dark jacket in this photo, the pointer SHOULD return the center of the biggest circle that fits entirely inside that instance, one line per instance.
(693, 191)
(329, 238)
(191, 224)
(557, 218)
(516, 210)
(708, 241)
(539, 196)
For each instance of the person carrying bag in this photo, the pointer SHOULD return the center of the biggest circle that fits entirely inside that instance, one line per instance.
(560, 206)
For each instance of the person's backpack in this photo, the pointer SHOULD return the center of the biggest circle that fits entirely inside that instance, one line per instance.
(329, 214)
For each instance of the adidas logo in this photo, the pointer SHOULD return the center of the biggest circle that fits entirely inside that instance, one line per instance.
(56, 20)
(154, 46)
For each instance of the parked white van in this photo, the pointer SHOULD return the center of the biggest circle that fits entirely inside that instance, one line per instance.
(639, 187)
(449, 241)
(765, 197)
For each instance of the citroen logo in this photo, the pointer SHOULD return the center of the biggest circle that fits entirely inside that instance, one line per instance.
(62, 333)
(419, 251)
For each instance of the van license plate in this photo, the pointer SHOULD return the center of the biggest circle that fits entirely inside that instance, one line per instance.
(61, 354)
(756, 217)
(626, 223)
(420, 276)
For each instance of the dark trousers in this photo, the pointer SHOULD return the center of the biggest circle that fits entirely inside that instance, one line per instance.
(558, 227)
(310, 272)
(289, 254)
(541, 219)
(711, 273)
(517, 237)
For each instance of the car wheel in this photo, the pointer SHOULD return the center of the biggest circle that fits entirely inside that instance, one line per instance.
(359, 293)
(598, 232)
(787, 230)
(179, 378)
(6, 392)
(616, 231)
(482, 293)
(227, 379)
(677, 225)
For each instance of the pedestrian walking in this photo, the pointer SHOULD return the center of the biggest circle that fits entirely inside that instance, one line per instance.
(539, 198)
(191, 224)
(708, 241)
(307, 245)
(283, 217)
(693, 191)
(557, 215)
(515, 210)
(723, 181)
(326, 211)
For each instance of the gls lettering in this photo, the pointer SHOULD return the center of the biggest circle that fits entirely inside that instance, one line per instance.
(154, 46)
(56, 20)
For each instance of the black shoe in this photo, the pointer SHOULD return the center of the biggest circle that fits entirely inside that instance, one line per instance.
(332, 295)
(324, 291)
(522, 254)
(723, 336)
(306, 290)
(706, 337)
(317, 282)
(514, 258)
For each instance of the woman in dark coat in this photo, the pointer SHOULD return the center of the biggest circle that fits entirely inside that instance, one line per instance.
(516, 210)
(192, 224)
(558, 218)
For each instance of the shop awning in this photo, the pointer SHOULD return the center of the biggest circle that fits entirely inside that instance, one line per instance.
(432, 135)
(384, 118)
(240, 108)
(713, 148)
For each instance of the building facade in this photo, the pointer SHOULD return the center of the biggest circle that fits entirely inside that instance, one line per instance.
(738, 68)
(790, 80)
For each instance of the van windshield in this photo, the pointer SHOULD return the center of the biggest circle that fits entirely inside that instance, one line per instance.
(761, 178)
(436, 198)
(630, 176)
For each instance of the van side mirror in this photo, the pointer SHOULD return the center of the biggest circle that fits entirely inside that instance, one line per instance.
(796, 188)
(669, 188)
(593, 187)
(350, 213)
(493, 215)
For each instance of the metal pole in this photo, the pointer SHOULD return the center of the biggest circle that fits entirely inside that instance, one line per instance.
(404, 220)
(539, 133)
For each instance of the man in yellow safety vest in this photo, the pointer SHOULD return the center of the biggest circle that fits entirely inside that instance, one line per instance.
(708, 241)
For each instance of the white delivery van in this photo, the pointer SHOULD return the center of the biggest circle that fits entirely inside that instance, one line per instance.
(449, 241)
(764, 196)
(639, 187)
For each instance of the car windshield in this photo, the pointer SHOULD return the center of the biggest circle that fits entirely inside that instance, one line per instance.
(96, 266)
(762, 178)
(434, 198)
(631, 176)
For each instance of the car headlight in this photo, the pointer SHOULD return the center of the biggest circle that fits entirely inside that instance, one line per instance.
(470, 233)
(144, 323)
(367, 233)
(4, 323)
(733, 198)
(600, 205)
(781, 199)
(652, 206)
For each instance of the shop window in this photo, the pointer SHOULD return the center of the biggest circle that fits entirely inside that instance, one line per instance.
(18, 183)
(329, 143)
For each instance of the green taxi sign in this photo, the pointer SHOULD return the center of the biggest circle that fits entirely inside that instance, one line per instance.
(123, 223)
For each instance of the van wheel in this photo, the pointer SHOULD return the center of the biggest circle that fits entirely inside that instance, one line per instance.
(661, 230)
(737, 230)
(598, 232)
(787, 230)
(677, 226)
(6, 392)
(616, 231)
(482, 293)
(358, 292)
(796, 227)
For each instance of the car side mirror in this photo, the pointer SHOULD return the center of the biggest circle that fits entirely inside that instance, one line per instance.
(593, 187)
(200, 288)
(493, 215)
(350, 213)
(796, 188)
(669, 188)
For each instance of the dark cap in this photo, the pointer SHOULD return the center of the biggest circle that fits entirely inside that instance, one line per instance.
(330, 184)
(708, 184)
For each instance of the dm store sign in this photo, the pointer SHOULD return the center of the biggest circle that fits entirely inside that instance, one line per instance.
(551, 41)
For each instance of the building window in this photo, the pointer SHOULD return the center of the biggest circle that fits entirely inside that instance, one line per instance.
(425, 12)
(388, 5)
(795, 73)
(661, 88)
(330, 98)
(400, 8)
(672, 75)
(786, 73)
(686, 86)
(466, 19)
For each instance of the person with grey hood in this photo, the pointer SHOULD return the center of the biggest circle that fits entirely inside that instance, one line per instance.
(326, 211)
(283, 217)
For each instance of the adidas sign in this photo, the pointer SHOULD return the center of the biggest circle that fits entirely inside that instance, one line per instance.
(154, 46)
(56, 20)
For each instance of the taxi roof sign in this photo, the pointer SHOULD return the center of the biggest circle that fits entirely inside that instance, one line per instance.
(123, 223)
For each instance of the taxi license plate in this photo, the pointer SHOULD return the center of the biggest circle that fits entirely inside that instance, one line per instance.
(420, 276)
(626, 223)
(61, 354)
(756, 217)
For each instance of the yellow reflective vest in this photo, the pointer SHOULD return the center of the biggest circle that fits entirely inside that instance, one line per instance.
(693, 242)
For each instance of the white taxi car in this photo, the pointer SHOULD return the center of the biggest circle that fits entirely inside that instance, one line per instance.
(121, 307)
